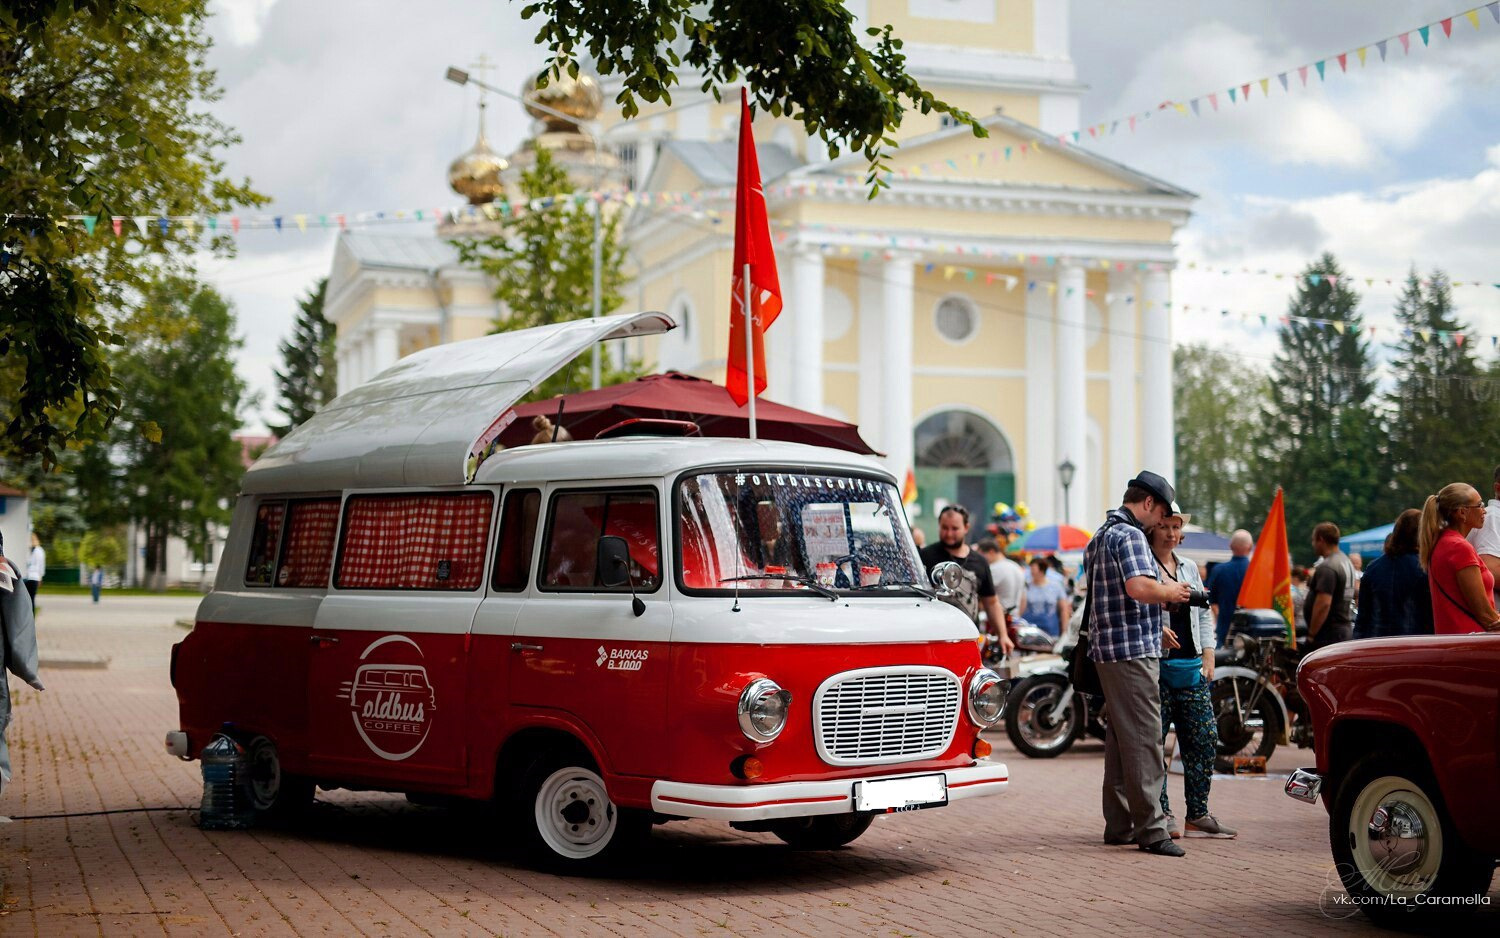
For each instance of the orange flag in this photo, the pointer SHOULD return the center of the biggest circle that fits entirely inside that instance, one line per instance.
(909, 488)
(1268, 579)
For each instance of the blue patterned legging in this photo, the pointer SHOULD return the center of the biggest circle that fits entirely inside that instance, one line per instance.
(1197, 739)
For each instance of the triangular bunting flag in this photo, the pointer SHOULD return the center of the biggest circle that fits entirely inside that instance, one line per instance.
(1213, 99)
(1343, 61)
(1458, 339)
(1194, 104)
(1314, 279)
(1265, 83)
(1302, 73)
(1233, 96)
(89, 221)
(1494, 9)
(1405, 42)
(301, 222)
(163, 223)
(1361, 53)
(277, 222)
(140, 223)
(1426, 334)
(234, 223)
(1381, 44)
(1245, 91)
(1426, 33)
(1447, 25)
(1338, 326)
(1321, 76)
(1281, 77)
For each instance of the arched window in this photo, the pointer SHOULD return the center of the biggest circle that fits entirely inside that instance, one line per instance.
(962, 457)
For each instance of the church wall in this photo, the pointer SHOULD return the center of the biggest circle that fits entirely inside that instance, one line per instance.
(841, 394)
(1003, 25)
(944, 225)
(1019, 105)
(1096, 358)
(999, 340)
(841, 276)
(1096, 397)
(999, 399)
(1049, 167)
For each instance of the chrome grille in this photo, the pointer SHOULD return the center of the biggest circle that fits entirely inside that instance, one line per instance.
(885, 715)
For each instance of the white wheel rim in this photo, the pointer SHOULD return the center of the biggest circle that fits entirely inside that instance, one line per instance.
(574, 814)
(1031, 722)
(1396, 836)
(265, 775)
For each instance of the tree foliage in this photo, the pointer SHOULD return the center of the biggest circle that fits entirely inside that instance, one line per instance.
(1321, 436)
(542, 266)
(1218, 401)
(308, 377)
(102, 549)
(1444, 424)
(172, 463)
(102, 112)
(802, 59)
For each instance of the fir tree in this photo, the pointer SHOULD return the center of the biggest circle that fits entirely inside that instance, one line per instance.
(1321, 437)
(1443, 426)
(309, 375)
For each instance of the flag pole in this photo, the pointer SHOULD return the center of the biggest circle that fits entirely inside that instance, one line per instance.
(749, 352)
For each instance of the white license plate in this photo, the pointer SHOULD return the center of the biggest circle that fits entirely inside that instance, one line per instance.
(901, 794)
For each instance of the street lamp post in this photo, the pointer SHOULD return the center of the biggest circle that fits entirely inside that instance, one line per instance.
(1065, 472)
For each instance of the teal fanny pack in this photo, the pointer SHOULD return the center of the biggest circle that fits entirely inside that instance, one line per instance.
(1181, 673)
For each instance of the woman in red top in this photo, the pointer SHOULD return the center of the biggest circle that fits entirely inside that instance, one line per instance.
(1462, 587)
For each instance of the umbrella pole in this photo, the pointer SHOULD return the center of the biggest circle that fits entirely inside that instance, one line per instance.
(749, 353)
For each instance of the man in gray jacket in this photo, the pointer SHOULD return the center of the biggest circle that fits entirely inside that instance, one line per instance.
(18, 633)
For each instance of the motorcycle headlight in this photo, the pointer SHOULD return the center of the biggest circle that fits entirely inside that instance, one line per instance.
(763, 710)
(986, 697)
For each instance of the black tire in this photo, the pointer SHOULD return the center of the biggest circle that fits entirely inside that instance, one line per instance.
(1254, 732)
(565, 818)
(1378, 869)
(1031, 720)
(276, 795)
(824, 832)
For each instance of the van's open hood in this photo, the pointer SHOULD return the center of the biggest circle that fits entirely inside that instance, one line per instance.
(421, 421)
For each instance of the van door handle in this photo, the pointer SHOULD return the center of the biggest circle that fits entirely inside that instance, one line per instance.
(522, 646)
(323, 639)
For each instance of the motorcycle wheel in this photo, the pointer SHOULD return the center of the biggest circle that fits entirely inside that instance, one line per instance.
(1252, 731)
(1032, 724)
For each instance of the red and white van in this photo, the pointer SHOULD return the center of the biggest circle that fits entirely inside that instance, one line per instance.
(598, 635)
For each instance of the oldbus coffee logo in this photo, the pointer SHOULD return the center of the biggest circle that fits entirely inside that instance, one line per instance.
(390, 698)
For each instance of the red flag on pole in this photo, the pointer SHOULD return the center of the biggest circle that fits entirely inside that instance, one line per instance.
(752, 247)
(1268, 579)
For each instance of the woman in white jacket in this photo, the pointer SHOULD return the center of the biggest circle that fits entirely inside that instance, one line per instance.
(1185, 676)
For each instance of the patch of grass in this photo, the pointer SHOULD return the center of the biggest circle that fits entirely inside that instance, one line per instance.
(50, 589)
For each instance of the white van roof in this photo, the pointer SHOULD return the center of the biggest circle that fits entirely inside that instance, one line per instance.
(649, 456)
(417, 422)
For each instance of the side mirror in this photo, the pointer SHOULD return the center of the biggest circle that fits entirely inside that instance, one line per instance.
(946, 576)
(612, 569)
(612, 562)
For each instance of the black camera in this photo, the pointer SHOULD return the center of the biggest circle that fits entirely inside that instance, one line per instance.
(1198, 598)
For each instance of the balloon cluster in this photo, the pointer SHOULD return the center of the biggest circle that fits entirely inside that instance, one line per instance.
(1012, 520)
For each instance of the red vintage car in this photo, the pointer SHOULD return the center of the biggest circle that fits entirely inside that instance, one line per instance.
(1407, 736)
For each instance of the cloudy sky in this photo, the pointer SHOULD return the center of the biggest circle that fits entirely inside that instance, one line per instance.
(343, 107)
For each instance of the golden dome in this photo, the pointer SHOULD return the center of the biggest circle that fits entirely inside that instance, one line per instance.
(476, 174)
(580, 98)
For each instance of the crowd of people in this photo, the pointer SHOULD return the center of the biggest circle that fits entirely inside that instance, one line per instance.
(1151, 623)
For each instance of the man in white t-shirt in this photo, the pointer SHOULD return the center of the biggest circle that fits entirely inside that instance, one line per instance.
(1010, 579)
(1486, 540)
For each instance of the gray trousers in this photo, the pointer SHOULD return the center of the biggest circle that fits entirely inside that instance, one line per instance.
(1134, 769)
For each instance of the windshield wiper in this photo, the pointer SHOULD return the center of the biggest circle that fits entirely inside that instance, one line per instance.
(927, 591)
(803, 579)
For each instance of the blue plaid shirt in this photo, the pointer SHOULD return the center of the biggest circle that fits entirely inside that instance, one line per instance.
(1120, 628)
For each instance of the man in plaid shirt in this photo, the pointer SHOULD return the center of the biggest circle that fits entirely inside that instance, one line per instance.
(1126, 634)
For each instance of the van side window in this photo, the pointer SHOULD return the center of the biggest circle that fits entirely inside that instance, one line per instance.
(517, 537)
(414, 542)
(264, 542)
(579, 519)
(307, 552)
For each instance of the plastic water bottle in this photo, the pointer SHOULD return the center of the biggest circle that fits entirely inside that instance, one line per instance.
(226, 803)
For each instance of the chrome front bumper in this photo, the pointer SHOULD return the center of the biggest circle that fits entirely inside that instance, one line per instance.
(805, 799)
(1304, 785)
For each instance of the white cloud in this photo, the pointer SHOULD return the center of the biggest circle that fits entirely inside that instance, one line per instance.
(240, 21)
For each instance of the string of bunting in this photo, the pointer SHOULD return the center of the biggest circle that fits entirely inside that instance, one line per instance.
(1291, 80)
(1369, 282)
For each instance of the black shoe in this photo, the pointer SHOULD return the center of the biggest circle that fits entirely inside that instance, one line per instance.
(1164, 848)
(1116, 842)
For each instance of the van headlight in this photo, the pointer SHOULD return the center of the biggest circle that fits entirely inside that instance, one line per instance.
(986, 697)
(763, 709)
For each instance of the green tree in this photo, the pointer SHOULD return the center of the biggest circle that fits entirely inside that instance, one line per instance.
(1443, 425)
(102, 549)
(173, 464)
(803, 59)
(1219, 401)
(102, 113)
(308, 378)
(543, 270)
(1321, 437)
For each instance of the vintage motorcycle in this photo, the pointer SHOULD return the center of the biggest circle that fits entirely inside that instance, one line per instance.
(1254, 691)
(1044, 715)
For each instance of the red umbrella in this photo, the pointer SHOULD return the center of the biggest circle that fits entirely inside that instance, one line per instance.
(676, 396)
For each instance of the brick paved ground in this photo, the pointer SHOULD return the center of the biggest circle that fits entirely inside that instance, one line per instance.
(1027, 862)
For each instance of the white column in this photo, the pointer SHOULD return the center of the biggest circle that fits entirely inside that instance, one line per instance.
(1040, 492)
(342, 356)
(386, 349)
(870, 323)
(1157, 422)
(806, 309)
(1124, 433)
(781, 338)
(1072, 426)
(366, 356)
(898, 277)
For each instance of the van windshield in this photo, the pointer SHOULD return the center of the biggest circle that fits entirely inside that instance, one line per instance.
(765, 530)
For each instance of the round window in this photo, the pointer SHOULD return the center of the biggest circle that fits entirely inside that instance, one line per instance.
(957, 320)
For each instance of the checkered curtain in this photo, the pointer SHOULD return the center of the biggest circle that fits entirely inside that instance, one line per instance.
(262, 564)
(426, 542)
(308, 555)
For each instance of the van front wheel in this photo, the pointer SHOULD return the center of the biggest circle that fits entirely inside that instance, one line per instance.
(570, 823)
